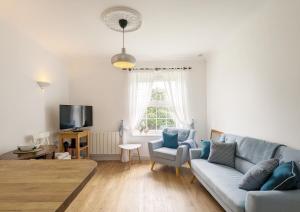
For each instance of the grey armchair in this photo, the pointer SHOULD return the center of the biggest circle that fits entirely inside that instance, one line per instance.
(172, 157)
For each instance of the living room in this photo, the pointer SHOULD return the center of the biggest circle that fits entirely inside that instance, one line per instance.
(201, 75)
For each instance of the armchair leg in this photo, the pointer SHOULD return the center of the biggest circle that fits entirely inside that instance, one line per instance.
(177, 171)
(193, 178)
(189, 162)
(152, 165)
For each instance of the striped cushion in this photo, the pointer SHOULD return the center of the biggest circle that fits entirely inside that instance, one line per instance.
(222, 153)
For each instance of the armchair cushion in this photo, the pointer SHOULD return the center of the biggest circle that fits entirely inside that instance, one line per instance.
(170, 140)
(166, 153)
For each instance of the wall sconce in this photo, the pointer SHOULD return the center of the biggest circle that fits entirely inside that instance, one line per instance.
(43, 84)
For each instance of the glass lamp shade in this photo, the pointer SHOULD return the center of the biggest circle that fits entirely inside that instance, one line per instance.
(123, 60)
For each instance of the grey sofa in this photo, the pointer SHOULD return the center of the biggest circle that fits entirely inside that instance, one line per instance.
(222, 181)
(172, 157)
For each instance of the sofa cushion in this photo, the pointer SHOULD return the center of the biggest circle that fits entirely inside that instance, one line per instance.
(255, 150)
(230, 138)
(220, 139)
(290, 154)
(223, 181)
(242, 165)
(166, 153)
(205, 149)
(252, 149)
(284, 177)
(258, 175)
(222, 153)
(286, 154)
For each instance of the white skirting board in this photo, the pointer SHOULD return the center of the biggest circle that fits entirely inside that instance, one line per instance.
(108, 157)
(104, 145)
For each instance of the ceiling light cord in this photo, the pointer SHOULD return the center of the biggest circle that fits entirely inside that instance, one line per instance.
(123, 60)
(123, 23)
(123, 38)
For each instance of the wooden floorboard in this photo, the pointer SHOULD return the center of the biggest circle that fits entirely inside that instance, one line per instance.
(116, 188)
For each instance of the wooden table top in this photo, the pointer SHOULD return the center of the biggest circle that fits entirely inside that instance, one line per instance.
(45, 150)
(42, 185)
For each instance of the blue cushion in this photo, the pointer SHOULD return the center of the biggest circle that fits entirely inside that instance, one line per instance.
(205, 149)
(170, 140)
(284, 177)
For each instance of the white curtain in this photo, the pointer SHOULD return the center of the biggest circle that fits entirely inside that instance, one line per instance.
(141, 84)
(176, 87)
(140, 94)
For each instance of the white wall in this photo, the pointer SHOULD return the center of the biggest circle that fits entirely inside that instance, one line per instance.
(97, 83)
(24, 108)
(253, 79)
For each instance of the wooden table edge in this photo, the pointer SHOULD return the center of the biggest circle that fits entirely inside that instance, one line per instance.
(74, 194)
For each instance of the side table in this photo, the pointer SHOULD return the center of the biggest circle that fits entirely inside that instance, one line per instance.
(130, 147)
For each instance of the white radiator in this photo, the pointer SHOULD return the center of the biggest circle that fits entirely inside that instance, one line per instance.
(105, 142)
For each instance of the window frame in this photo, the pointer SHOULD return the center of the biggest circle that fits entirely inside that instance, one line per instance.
(154, 103)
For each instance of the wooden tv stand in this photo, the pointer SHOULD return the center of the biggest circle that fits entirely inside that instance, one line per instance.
(77, 135)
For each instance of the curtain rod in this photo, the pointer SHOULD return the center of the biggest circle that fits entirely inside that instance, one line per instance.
(159, 68)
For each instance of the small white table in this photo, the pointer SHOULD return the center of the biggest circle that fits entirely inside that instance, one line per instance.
(130, 147)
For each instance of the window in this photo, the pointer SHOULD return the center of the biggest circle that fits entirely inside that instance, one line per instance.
(157, 100)
(158, 114)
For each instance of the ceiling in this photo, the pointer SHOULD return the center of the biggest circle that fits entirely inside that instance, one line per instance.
(170, 29)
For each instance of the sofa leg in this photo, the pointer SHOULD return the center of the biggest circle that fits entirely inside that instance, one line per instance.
(177, 171)
(193, 178)
(152, 165)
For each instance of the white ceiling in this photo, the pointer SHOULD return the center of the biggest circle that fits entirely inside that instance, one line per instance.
(170, 28)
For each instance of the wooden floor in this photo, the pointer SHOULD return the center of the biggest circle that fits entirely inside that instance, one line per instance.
(116, 188)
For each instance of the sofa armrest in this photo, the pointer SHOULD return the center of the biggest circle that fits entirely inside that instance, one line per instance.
(182, 155)
(195, 154)
(153, 145)
(275, 201)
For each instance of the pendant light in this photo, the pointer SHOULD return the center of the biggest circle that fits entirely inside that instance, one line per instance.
(123, 60)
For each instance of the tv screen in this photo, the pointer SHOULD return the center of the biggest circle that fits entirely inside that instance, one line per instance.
(75, 116)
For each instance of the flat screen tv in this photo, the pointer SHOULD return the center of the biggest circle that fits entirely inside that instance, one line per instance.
(75, 116)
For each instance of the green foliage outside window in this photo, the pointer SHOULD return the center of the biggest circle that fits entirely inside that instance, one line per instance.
(158, 115)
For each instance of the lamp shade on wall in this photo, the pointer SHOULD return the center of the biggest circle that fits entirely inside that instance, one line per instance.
(43, 84)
